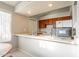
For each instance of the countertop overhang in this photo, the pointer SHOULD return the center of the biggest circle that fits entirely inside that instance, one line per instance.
(48, 38)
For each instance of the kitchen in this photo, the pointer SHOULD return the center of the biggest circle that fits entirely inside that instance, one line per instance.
(48, 31)
(40, 39)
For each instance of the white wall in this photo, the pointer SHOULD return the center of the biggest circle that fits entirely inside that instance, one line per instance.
(77, 21)
(19, 24)
(31, 26)
(57, 13)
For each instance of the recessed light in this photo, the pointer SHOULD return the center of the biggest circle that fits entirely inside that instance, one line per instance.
(50, 5)
(29, 12)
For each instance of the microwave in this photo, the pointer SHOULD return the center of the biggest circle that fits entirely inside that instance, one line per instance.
(64, 32)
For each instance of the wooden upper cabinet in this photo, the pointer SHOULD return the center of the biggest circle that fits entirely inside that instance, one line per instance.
(44, 23)
(64, 18)
(50, 21)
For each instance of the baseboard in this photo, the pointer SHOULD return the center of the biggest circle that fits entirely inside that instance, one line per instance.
(26, 52)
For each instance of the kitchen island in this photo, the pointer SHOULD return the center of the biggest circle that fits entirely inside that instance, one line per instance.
(48, 38)
(46, 46)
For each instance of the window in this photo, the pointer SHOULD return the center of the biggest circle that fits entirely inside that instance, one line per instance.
(5, 26)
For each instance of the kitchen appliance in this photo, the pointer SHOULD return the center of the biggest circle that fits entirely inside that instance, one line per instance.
(64, 32)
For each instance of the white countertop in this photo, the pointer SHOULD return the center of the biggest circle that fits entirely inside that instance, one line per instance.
(48, 38)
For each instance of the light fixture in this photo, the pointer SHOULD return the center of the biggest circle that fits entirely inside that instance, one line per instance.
(50, 5)
(29, 12)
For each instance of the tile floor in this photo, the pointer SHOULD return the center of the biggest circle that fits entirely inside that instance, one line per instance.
(17, 53)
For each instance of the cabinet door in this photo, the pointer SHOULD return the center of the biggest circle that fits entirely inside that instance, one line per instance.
(59, 24)
(50, 21)
(42, 24)
(67, 23)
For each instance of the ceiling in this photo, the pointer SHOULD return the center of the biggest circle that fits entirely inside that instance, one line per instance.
(31, 8)
(11, 3)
